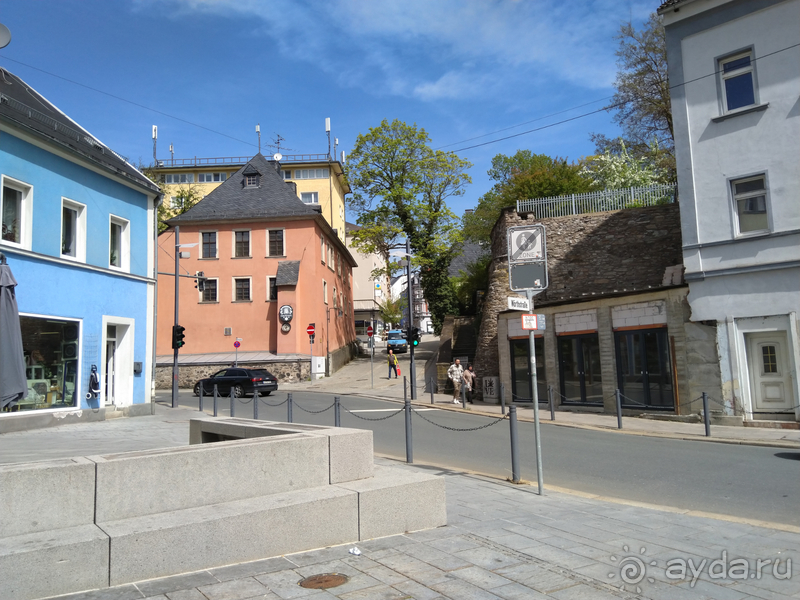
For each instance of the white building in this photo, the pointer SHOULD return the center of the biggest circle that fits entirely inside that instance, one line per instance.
(734, 72)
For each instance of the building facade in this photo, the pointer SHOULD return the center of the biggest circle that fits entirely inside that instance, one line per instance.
(733, 70)
(272, 266)
(78, 230)
(368, 292)
(319, 181)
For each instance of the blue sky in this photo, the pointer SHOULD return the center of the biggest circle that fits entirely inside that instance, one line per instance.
(461, 69)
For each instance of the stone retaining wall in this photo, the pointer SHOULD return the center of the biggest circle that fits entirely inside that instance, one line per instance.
(286, 371)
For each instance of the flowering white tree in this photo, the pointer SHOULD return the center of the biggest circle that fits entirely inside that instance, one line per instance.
(622, 169)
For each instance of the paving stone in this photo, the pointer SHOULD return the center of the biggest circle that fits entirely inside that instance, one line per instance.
(385, 575)
(236, 589)
(517, 591)
(381, 592)
(121, 592)
(488, 558)
(192, 594)
(164, 585)
(481, 577)
(583, 592)
(463, 591)
(285, 584)
(249, 569)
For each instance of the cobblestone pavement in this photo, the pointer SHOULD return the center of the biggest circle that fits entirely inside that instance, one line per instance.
(505, 542)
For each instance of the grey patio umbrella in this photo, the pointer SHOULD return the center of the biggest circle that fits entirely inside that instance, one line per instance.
(13, 383)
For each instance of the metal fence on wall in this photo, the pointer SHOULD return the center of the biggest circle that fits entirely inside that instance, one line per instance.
(605, 200)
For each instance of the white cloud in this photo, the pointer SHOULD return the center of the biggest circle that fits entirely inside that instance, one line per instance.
(432, 50)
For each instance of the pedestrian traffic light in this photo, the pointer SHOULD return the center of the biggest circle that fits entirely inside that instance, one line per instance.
(200, 282)
(415, 335)
(177, 336)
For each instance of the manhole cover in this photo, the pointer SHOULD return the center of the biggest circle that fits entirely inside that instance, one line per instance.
(324, 581)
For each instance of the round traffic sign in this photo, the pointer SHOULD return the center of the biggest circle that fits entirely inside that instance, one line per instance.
(310, 330)
(236, 344)
(369, 331)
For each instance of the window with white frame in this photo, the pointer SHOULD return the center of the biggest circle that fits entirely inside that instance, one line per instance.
(119, 243)
(750, 204)
(311, 173)
(738, 84)
(330, 257)
(179, 178)
(241, 289)
(241, 244)
(310, 197)
(287, 173)
(272, 289)
(212, 177)
(334, 297)
(73, 229)
(325, 291)
(322, 248)
(16, 211)
(208, 240)
(209, 293)
(275, 238)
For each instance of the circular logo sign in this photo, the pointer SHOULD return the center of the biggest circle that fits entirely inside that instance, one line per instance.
(236, 344)
(286, 328)
(285, 313)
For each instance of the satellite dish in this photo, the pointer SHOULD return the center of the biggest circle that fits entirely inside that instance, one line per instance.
(5, 36)
(277, 156)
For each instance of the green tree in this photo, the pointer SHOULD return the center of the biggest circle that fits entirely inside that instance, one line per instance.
(642, 98)
(393, 171)
(520, 177)
(379, 233)
(391, 311)
(468, 283)
(173, 203)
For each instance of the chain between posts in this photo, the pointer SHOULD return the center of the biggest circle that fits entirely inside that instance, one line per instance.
(394, 414)
(314, 412)
(273, 405)
(484, 426)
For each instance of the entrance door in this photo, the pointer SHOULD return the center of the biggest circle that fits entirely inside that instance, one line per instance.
(644, 371)
(579, 361)
(770, 385)
(111, 349)
(521, 370)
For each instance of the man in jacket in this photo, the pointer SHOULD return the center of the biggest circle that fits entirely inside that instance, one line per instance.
(392, 364)
(455, 373)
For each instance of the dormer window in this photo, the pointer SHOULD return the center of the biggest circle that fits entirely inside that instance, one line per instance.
(251, 181)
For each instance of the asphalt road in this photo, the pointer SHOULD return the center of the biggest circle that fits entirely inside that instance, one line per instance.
(743, 481)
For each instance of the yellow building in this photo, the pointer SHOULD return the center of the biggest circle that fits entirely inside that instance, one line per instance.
(317, 178)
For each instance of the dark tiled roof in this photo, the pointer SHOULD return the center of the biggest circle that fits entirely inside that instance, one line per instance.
(469, 254)
(670, 4)
(24, 107)
(232, 200)
(288, 272)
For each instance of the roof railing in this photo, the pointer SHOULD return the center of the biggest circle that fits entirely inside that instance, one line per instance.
(236, 160)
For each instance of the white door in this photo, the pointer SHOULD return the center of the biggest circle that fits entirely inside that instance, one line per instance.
(111, 348)
(768, 364)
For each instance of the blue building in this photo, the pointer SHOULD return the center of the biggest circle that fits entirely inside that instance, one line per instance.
(78, 230)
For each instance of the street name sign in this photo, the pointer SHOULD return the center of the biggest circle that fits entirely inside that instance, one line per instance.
(517, 303)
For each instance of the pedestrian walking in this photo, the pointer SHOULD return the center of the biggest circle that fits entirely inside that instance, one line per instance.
(392, 364)
(469, 382)
(455, 373)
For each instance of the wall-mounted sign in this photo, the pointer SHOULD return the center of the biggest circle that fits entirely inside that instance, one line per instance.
(285, 313)
(286, 328)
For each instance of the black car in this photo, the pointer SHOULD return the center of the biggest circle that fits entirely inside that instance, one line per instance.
(241, 381)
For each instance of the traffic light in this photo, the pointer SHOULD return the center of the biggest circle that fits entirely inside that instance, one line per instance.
(415, 336)
(177, 336)
(200, 282)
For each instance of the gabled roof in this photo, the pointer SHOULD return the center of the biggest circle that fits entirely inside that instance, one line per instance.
(233, 200)
(23, 107)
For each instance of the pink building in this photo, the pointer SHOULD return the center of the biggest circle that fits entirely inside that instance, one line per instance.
(272, 265)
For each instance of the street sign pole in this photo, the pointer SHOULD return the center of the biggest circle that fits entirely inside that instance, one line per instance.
(371, 341)
(535, 392)
(175, 372)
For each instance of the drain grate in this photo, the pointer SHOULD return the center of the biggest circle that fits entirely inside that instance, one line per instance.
(324, 581)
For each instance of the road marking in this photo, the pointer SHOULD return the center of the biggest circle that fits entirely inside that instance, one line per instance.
(367, 410)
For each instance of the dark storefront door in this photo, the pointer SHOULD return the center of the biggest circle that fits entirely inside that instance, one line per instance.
(520, 370)
(644, 372)
(579, 362)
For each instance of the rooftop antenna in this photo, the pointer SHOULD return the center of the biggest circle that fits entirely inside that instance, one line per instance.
(155, 139)
(171, 152)
(5, 36)
(258, 131)
(277, 141)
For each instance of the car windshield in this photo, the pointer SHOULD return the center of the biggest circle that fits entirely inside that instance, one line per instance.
(395, 335)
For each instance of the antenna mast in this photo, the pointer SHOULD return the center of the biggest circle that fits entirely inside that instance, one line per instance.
(155, 139)
(258, 131)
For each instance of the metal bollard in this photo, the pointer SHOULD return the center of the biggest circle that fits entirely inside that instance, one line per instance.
(431, 390)
(502, 399)
(289, 407)
(618, 397)
(512, 420)
(706, 416)
(463, 395)
(409, 448)
(552, 402)
(200, 406)
(255, 405)
(233, 404)
(337, 421)
(216, 397)
(405, 391)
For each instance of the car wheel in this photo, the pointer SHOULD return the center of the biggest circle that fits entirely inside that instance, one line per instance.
(197, 389)
(267, 393)
(238, 391)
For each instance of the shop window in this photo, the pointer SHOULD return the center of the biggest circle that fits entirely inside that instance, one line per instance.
(51, 350)
(73, 230)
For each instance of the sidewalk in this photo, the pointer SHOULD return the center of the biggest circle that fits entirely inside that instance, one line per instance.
(354, 379)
